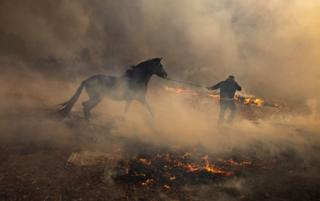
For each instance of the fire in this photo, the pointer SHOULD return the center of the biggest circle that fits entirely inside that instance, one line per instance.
(247, 100)
(171, 169)
(258, 102)
(178, 90)
(147, 182)
(173, 178)
(213, 169)
(145, 161)
(241, 99)
(191, 167)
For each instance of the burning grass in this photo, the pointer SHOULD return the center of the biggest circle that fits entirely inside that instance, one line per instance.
(171, 168)
(152, 172)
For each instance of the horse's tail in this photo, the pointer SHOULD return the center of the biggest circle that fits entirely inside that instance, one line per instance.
(67, 106)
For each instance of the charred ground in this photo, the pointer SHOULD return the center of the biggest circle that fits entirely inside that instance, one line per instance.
(41, 170)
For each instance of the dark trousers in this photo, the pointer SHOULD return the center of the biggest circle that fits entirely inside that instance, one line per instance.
(224, 105)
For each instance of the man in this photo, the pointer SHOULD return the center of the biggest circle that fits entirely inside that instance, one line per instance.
(228, 89)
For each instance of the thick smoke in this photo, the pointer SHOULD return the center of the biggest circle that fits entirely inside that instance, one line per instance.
(47, 48)
(272, 47)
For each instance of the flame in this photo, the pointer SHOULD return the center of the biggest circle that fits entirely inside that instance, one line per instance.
(213, 169)
(147, 182)
(250, 100)
(241, 99)
(169, 169)
(145, 161)
(191, 167)
(259, 102)
(173, 178)
(179, 90)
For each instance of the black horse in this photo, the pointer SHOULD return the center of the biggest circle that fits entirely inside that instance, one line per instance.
(131, 86)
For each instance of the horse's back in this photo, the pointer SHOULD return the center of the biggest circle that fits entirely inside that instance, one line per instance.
(117, 88)
(105, 85)
(105, 80)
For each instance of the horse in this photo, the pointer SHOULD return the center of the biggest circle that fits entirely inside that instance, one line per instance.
(132, 85)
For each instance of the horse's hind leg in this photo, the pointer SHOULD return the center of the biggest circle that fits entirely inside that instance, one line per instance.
(90, 104)
(149, 109)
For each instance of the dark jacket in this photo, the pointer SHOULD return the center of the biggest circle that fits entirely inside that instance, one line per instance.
(227, 88)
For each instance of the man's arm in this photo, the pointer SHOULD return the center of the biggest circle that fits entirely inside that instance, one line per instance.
(214, 87)
(238, 87)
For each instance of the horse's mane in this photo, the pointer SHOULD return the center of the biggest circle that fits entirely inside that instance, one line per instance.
(146, 63)
(143, 64)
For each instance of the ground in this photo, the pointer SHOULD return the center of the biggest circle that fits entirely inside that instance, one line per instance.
(39, 170)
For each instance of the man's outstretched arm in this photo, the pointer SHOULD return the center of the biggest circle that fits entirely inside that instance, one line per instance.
(214, 87)
(238, 87)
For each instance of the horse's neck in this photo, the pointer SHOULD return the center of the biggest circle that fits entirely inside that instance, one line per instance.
(143, 77)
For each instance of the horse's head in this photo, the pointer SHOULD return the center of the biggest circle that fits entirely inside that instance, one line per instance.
(158, 69)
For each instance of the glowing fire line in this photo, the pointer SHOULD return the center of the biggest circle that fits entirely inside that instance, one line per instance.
(245, 100)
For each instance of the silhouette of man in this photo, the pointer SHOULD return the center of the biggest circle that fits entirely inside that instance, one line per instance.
(228, 89)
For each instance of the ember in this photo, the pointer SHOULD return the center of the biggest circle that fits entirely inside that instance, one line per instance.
(167, 169)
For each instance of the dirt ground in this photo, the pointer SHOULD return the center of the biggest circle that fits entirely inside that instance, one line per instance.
(38, 170)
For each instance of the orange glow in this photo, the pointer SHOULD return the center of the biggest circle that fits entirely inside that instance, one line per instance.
(173, 178)
(250, 100)
(244, 100)
(191, 167)
(145, 161)
(178, 90)
(213, 169)
(147, 182)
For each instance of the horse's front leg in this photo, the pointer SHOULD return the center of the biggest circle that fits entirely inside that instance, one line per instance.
(146, 104)
(126, 109)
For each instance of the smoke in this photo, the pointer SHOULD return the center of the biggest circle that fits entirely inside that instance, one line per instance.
(271, 47)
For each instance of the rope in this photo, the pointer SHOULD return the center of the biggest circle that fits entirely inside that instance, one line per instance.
(183, 82)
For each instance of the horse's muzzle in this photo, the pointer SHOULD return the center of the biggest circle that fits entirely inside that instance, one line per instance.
(165, 75)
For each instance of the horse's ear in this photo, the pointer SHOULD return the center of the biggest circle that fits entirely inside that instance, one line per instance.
(159, 59)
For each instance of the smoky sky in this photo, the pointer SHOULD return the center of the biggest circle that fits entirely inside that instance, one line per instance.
(272, 47)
